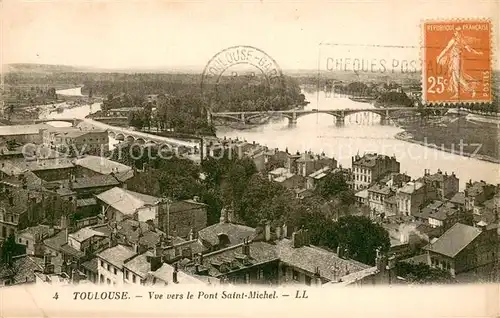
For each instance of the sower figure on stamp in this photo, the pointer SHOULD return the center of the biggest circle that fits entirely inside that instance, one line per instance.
(451, 58)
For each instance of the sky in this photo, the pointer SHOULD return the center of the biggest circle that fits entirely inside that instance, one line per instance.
(167, 34)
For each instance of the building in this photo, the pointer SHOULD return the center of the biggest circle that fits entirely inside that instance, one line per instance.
(20, 270)
(476, 193)
(308, 163)
(23, 134)
(413, 196)
(313, 178)
(463, 248)
(372, 167)
(89, 166)
(77, 140)
(122, 112)
(118, 204)
(377, 196)
(446, 185)
(273, 259)
(32, 236)
(180, 217)
(110, 264)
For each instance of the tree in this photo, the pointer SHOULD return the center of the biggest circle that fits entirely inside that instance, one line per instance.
(422, 273)
(361, 237)
(8, 249)
(331, 185)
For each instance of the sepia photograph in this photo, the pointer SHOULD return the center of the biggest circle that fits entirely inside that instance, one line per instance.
(211, 151)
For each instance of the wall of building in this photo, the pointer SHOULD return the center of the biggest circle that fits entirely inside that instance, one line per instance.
(108, 273)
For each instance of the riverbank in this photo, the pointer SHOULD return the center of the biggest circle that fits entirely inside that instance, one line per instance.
(463, 136)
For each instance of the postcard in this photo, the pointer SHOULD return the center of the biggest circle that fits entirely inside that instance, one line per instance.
(243, 159)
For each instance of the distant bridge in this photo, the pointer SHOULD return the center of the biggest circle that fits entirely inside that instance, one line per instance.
(339, 114)
(126, 134)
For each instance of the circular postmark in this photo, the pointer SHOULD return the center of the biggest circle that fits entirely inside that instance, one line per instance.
(242, 78)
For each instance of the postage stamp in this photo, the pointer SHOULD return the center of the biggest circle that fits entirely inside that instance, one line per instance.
(243, 68)
(457, 61)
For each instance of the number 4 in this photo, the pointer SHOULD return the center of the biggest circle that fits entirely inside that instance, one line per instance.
(56, 296)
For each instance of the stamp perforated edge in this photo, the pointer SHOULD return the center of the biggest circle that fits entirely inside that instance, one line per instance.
(422, 58)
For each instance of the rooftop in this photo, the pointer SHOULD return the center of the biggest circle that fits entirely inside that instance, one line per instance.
(16, 130)
(235, 232)
(85, 233)
(94, 182)
(116, 255)
(165, 274)
(101, 165)
(42, 230)
(308, 258)
(369, 160)
(454, 240)
(139, 232)
(318, 174)
(139, 264)
(380, 188)
(23, 269)
(55, 242)
(458, 198)
(411, 187)
(126, 201)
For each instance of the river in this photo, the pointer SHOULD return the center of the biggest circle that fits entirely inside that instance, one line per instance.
(361, 133)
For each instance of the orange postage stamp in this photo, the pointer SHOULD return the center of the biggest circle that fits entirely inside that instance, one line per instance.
(457, 61)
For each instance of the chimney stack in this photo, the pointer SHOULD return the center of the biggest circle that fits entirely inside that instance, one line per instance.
(278, 232)
(174, 274)
(267, 230)
(284, 231)
(246, 247)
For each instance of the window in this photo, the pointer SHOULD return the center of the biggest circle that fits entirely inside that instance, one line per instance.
(295, 275)
(260, 274)
(102, 263)
(247, 278)
(108, 281)
(133, 278)
(114, 270)
(283, 271)
(126, 274)
(308, 280)
(109, 268)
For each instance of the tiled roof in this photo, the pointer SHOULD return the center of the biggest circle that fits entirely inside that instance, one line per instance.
(94, 182)
(116, 255)
(165, 274)
(85, 233)
(362, 194)
(86, 202)
(101, 165)
(124, 176)
(411, 187)
(454, 240)
(308, 258)
(369, 160)
(233, 259)
(67, 249)
(235, 232)
(476, 188)
(382, 189)
(55, 242)
(443, 213)
(139, 232)
(139, 264)
(23, 269)
(41, 230)
(14, 130)
(126, 201)
(91, 265)
(47, 164)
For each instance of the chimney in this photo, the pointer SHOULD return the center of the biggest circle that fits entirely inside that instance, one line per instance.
(191, 234)
(278, 232)
(317, 277)
(267, 231)
(48, 267)
(223, 216)
(284, 231)
(297, 239)
(245, 249)
(196, 198)
(174, 274)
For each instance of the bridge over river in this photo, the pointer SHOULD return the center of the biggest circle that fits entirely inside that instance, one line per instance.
(126, 134)
(339, 114)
